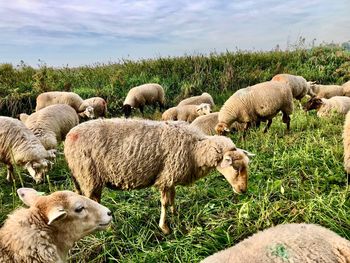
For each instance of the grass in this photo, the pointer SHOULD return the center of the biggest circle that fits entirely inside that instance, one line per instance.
(296, 176)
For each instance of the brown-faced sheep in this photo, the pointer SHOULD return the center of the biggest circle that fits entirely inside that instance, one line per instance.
(327, 91)
(196, 100)
(52, 123)
(44, 232)
(346, 143)
(99, 106)
(257, 103)
(324, 107)
(287, 243)
(207, 124)
(186, 113)
(149, 153)
(147, 94)
(19, 146)
(299, 86)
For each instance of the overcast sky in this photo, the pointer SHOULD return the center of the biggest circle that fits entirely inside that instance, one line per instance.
(77, 32)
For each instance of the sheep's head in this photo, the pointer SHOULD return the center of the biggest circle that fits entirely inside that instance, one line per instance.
(203, 109)
(126, 110)
(222, 128)
(234, 166)
(68, 212)
(89, 112)
(313, 103)
(37, 169)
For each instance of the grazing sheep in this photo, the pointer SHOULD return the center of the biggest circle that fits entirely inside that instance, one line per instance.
(257, 103)
(346, 142)
(149, 153)
(287, 243)
(19, 146)
(98, 105)
(196, 100)
(147, 94)
(299, 86)
(325, 107)
(186, 113)
(207, 123)
(44, 232)
(327, 91)
(61, 97)
(52, 123)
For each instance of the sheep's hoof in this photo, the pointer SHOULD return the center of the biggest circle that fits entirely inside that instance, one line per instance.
(165, 229)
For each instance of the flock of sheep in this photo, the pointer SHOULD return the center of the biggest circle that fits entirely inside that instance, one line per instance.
(124, 153)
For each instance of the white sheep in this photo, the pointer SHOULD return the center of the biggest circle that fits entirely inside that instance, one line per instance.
(146, 94)
(196, 100)
(257, 103)
(324, 107)
(61, 97)
(287, 243)
(327, 91)
(299, 86)
(149, 153)
(98, 106)
(186, 112)
(207, 124)
(19, 146)
(52, 123)
(346, 143)
(44, 232)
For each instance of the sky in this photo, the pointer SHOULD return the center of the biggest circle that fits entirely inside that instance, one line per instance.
(84, 32)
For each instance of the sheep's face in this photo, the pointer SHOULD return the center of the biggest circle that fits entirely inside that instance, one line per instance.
(203, 109)
(126, 110)
(312, 104)
(68, 212)
(37, 169)
(89, 112)
(222, 128)
(234, 166)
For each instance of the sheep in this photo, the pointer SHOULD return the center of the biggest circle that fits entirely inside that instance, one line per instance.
(45, 231)
(325, 107)
(257, 103)
(98, 105)
(207, 123)
(52, 123)
(146, 94)
(327, 91)
(19, 146)
(287, 243)
(299, 86)
(196, 100)
(61, 97)
(186, 113)
(346, 143)
(133, 154)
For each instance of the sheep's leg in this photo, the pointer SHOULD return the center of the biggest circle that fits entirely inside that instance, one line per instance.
(9, 176)
(269, 122)
(286, 120)
(171, 196)
(162, 222)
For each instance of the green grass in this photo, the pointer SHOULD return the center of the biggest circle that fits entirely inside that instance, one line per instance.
(296, 176)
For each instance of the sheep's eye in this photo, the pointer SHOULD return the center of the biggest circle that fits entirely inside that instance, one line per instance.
(79, 209)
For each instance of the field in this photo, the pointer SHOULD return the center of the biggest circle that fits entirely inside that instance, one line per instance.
(296, 176)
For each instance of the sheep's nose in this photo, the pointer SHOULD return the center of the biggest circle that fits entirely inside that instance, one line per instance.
(109, 213)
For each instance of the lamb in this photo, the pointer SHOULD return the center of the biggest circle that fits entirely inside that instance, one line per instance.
(325, 107)
(186, 113)
(327, 91)
(346, 142)
(98, 105)
(146, 94)
(150, 153)
(299, 86)
(19, 146)
(196, 100)
(287, 243)
(52, 123)
(207, 123)
(45, 231)
(257, 103)
(61, 97)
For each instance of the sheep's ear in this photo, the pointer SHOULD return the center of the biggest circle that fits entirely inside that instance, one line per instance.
(28, 195)
(55, 214)
(226, 162)
(249, 154)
